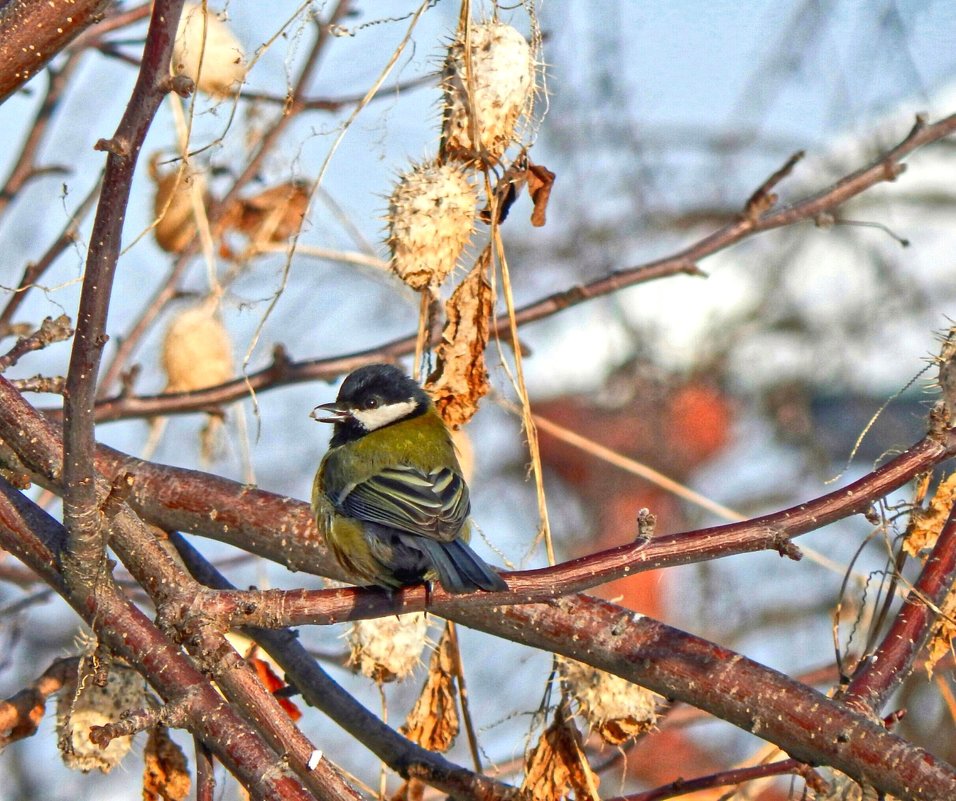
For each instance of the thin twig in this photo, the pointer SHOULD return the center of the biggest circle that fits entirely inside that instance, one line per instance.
(724, 778)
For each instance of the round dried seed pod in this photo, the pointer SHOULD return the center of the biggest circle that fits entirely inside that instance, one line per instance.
(207, 51)
(431, 214)
(197, 352)
(80, 709)
(173, 207)
(387, 648)
(499, 93)
(613, 707)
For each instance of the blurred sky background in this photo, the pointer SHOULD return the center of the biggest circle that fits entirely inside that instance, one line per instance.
(659, 119)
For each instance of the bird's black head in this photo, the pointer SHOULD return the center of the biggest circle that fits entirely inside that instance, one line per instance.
(370, 398)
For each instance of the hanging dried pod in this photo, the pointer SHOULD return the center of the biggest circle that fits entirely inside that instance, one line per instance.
(488, 87)
(197, 352)
(558, 766)
(388, 648)
(613, 707)
(83, 704)
(431, 214)
(460, 378)
(173, 206)
(433, 722)
(165, 771)
(207, 51)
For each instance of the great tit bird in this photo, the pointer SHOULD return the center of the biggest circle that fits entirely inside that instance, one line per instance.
(389, 497)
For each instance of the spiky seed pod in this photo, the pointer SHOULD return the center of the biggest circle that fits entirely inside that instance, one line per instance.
(502, 83)
(431, 214)
(612, 706)
(90, 705)
(173, 207)
(387, 648)
(207, 51)
(197, 352)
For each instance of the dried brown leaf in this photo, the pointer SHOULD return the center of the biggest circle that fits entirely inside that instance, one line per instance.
(460, 379)
(620, 730)
(165, 774)
(558, 766)
(268, 218)
(925, 524)
(540, 181)
(433, 722)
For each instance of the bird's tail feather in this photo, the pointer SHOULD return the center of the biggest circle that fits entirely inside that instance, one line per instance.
(459, 568)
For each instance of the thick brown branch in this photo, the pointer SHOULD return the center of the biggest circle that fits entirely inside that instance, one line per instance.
(21, 713)
(35, 538)
(33, 31)
(806, 724)
(881, 674)
(84, 561)
(276, 608)
(322, 692)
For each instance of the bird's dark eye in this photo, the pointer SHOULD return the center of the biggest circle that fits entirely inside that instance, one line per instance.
(373, 402)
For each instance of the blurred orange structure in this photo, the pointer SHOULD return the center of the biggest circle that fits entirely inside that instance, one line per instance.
(673, 425)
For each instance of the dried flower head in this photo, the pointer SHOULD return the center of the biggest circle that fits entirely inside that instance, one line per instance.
(197, 352)
(207, 51)
(612, 706)
(83, 704)
(431, 214)
(173, 207)
(488, 87)
(387, 648)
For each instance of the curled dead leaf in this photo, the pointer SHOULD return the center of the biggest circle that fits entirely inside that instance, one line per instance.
(942, 640)
(540, 181)
(926, 524)
(433, 722)
(522, 172)
(165, 774)
(460, 379)
(269, 218)
(558, 766)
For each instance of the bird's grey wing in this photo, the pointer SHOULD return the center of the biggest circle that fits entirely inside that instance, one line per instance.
(410, 500)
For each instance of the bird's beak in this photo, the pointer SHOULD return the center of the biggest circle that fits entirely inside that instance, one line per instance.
(339, 413)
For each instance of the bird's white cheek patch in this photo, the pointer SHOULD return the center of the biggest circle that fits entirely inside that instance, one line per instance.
(370, 419)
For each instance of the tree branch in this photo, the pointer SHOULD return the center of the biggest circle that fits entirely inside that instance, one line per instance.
(35, 539)
(84, 561)
(284, 372)
(33, 31)
(322, 692)
(879, 675)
